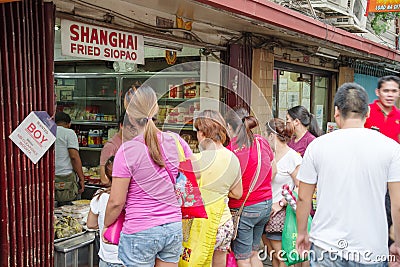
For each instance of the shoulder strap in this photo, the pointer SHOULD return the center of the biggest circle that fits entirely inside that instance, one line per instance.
(181, 152)
(255, 178)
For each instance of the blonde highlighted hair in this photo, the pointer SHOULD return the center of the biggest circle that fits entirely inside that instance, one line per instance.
(143, 109)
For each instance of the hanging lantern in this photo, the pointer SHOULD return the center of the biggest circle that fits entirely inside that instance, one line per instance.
(170, 57)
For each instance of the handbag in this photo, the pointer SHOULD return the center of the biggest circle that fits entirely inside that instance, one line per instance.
(236, 214)
(113, 232)
(230, 260)
(186, 188)
(275, 223)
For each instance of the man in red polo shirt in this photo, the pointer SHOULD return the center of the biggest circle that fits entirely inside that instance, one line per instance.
(384, 116)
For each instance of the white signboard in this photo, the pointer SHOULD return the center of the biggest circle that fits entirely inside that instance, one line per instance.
(89, 41)
(35, 135)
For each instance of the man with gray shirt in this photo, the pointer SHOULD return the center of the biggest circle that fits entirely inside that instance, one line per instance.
(68, 162)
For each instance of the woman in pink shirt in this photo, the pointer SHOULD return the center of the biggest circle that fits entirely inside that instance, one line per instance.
(152, 230)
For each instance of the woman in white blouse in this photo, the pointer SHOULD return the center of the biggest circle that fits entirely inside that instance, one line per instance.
(288, 162)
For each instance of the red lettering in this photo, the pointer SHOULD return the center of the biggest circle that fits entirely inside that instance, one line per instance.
(94, 38)
(122, 54)
(133, 56)
(81, 49)
(31, 127)
(121, 40)
(85, 34)
(107, 52)
(103, 37)
(37, 134)
(129, 43)
(73, 47)
(73, 29)
(128, 55)
(113, 39)
(135, 43)
(96, 51)
(44, 139)
(116, 53)
(90, 50)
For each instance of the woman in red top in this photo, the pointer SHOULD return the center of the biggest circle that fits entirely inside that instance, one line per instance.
(258, 206)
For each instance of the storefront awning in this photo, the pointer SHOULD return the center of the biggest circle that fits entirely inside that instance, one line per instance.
(292, 21)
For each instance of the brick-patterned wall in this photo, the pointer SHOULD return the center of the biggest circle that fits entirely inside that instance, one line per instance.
(261, 93)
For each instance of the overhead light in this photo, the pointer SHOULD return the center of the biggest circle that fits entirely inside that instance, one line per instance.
(325, 52)
(57, 27)
(394, 71)
(163, 44)
(325, 55)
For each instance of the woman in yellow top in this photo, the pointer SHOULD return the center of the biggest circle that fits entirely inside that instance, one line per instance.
(220, 178)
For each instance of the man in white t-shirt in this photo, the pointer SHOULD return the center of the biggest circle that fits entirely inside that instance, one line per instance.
(68, 161)
(352, 168)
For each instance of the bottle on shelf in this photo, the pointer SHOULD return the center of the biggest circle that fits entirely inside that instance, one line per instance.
(104, 137)
(94, 138)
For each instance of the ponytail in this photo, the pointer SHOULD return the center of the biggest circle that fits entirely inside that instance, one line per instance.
(151, 141)
(142, 108)
(242, 124)
(313, 127)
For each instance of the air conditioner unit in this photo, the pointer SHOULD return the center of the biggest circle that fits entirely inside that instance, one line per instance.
(350, 24)
(338, 7)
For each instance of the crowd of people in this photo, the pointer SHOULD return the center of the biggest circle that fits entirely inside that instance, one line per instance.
(349, 170)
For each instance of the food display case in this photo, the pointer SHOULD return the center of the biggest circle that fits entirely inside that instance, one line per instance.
(95, 102)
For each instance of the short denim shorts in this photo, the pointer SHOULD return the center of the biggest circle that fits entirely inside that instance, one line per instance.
(108, 264)
(251, 227)
(141, 249)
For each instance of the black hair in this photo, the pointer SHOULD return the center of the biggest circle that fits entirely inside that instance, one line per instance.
(389, 78)
(351, 99)
(62, 117)
(242, 124)
(108, 170)
(306, 118)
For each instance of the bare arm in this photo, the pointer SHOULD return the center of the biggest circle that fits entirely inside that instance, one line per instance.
(116, 202)
(92, 220)
(236, 191)
(77, 166)
(303, 210)
(274, 169)
(103, 177)
(294, 175)
(394, 191)
(303, 206)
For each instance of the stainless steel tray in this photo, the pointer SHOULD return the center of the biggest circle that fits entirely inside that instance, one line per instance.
(69, 237)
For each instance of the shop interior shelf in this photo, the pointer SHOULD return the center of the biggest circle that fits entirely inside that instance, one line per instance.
(172, 99)
(94, 98)
(170, 126)
(166, 99)
(97, 123)
(86, 148)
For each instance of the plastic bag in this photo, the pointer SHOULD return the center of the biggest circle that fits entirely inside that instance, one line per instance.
(199, 249)
(289, 236)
